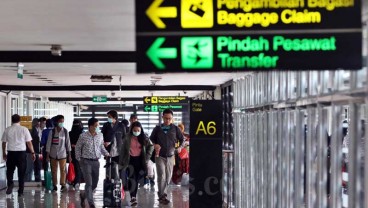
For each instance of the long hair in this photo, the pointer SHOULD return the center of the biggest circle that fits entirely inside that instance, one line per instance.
(142, 136)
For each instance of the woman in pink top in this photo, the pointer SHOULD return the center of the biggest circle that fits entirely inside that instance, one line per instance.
(134, 156)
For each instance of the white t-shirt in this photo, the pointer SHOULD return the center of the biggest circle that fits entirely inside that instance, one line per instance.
(16, 136)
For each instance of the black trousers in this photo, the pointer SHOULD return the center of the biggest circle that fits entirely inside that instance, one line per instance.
(135, 173)
(77, 169)
(16, 159)
(37, 168)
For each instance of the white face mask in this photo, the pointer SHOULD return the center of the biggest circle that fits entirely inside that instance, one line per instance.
(136, 133)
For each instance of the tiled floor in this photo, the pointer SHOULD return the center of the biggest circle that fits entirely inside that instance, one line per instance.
(39, 198)
(179, 197)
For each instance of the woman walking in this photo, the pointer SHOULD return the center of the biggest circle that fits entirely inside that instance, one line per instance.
(134, 156)
(77, 130)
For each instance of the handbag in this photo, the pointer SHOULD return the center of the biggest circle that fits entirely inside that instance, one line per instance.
(48, 180)
(183, 154)
(71, 173)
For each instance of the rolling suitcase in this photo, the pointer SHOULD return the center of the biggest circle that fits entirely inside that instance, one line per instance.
(111, 186)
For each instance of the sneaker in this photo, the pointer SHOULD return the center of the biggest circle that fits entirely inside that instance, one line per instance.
(76, 187)
(133, 202)
(10, 189)
(63, 188)
(55, 188)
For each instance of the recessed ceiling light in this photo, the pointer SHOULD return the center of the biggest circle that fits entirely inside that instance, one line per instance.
(101, 78)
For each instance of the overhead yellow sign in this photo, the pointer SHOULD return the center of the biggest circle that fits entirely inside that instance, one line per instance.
(165, 99)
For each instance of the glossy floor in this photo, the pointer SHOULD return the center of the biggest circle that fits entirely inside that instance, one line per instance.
(35, 197)
(38, 198)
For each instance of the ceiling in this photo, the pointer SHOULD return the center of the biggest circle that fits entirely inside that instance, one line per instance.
(83, 25)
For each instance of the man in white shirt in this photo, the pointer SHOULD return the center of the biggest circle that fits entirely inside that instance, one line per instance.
(88, 150)
(15, 139)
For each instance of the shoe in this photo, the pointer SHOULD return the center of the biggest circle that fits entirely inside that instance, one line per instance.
(63, 188)
(10, 189)
(133, 202)
(76, 187)
(55, 188)
(164, 200)
(82, 198)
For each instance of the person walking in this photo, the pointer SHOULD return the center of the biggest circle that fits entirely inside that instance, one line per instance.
(113, 134)
(15, 139)
(74, 134)
(58, 148)
(44, 137)
(134, 156)
(31, 165)
(164, 138)
(88, 150)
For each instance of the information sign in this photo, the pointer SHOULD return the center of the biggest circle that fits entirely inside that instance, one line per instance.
(165, 99)
(248, 35)
(100, 99)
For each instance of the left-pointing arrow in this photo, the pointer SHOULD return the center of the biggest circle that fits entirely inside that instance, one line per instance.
(146, 100)
(155, 53)
(147, 108)
(155, 13)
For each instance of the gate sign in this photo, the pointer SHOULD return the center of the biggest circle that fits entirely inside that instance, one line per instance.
(248, 35)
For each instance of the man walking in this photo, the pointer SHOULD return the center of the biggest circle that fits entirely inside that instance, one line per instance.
(15, 139)
(88, 150)
(164, 138)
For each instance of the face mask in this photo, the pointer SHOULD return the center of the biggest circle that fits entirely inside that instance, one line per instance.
(136, 133)
(97, 129)
(61, 125)
(109, 120)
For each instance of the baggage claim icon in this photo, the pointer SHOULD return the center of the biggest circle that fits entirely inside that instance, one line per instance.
(196, 14)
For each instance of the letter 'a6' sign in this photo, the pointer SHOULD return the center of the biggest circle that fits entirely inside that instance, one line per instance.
(247, 35)
(206, 119)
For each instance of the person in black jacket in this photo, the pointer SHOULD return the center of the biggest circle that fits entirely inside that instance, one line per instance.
(113, 133)
(77, 130)
(164, 138)
(34, 166)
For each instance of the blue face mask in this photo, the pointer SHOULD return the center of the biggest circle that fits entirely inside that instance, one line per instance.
(136, 133)
(109, 120)
(61, 125)
(97, 129)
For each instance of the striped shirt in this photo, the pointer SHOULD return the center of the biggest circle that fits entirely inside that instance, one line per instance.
(90, 147)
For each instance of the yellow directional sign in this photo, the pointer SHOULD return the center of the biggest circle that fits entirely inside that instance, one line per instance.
(196, 13)
(155, 13)
(159, 100)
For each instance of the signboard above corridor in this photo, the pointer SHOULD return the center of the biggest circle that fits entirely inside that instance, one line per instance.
(230, 15)
(248, 35)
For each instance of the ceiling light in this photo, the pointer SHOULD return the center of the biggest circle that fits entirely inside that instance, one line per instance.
(56, 50)
(101, 78)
